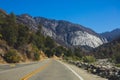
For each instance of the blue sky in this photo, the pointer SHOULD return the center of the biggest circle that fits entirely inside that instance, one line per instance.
(99, 15)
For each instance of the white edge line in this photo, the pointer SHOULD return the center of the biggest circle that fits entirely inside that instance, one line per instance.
(72, 70)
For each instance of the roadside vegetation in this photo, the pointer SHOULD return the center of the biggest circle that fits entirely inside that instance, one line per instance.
(110, 51)
(12, 56)
(89, 59)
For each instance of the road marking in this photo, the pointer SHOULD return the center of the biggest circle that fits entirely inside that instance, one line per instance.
(26, 77)
(72, 71)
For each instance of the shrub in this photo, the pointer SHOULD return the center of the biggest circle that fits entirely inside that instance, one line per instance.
(88, 59)
(118, 65)
(12, 56)
(117, 58)
(49, 53)
(0, 36)
(36, 56)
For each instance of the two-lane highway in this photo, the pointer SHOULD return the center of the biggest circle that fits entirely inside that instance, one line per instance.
(46, 70)
(55, 71)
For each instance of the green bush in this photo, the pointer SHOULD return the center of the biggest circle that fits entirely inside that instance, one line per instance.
(117, 58)
(36, 56)
(118, 65)
(12, 56)
(49, 53)
(0, 36)
(88, 59)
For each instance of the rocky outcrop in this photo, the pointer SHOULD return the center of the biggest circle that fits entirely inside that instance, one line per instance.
(27, 20)
(84, 38)
(63, 31)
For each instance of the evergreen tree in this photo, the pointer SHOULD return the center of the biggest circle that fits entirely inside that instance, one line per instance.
(23, 35)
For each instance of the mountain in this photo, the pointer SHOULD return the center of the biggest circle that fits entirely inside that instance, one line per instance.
(112, 35)
(64, 32)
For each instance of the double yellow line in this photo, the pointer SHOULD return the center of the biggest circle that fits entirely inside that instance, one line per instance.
(26, 77)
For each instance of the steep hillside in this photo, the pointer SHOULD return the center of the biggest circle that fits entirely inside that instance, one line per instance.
(108, 50)
(64, 32)
(18, 43)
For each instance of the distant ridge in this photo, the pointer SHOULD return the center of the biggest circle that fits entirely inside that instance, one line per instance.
(112, 35)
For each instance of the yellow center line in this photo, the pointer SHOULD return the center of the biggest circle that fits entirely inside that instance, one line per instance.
(26, 77)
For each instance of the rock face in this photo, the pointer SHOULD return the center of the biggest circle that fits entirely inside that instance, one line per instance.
(84, 38)
(27, 20)
(63, 31)
(110, 36)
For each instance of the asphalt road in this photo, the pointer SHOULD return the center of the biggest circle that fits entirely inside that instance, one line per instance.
(13, 66)
(45, 70)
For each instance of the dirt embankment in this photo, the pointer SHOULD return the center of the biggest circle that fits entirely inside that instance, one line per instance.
(26, 53)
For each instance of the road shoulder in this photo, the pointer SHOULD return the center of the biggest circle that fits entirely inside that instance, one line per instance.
(83, 73)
